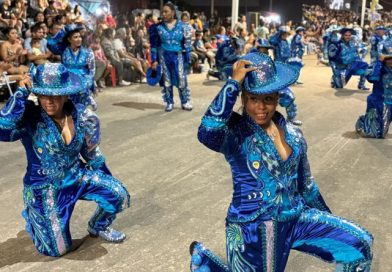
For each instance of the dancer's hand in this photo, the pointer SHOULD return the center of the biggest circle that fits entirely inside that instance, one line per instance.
(25, 81)
(240, 70)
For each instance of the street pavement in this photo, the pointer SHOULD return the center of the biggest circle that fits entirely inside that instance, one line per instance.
(180, 190)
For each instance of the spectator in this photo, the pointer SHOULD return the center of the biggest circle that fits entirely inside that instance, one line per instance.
(102, 64)
(112, 55)
(36, 51)
(13, 53)
(127, 57)
(241, 24)
(51, 10)
(37, 32)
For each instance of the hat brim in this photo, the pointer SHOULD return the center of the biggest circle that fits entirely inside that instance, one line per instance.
(286, 75)
(151, 79)
(75, 85)
(344, 30)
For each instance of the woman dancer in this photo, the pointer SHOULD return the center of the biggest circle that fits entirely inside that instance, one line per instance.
(171, 44)
(57, 135)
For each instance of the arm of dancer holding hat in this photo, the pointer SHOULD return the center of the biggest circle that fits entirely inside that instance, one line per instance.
(213, 130)
(11, 115)
(155, 43)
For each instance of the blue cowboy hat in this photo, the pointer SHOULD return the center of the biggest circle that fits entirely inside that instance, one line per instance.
(300, 28)
(381, 28)
(347, 29)
(264, 43)
(269, 77)
(154, 76)
(54, 79)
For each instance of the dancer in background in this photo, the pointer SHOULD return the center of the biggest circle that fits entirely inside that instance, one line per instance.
(171, 44)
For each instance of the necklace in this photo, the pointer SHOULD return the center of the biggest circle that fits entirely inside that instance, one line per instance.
(272, 134)
(60, 125)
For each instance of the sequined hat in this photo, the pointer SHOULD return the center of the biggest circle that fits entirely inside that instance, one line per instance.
(270, 76)
(334, 28)
(346, 29)
(153, 76)
(54, 79)
(381, 28)
(264, 43)
(300, 28)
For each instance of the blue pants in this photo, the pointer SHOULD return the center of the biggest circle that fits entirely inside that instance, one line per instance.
(48, 209)
(174, 74)
(261, 245)
(342, 74)
(375, 123)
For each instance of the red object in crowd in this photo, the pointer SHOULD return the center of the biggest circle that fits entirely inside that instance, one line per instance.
(149, 23)
(111, 21)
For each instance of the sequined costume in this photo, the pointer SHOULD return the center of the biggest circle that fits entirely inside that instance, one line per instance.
(82, 62)
(56, 177)
(374, 47)
(345, 62)
(375, 123)
(276, 204)
(171, 48)
(282, 51)
(225, 57)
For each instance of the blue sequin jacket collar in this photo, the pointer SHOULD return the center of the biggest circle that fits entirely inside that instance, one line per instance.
(263, 183)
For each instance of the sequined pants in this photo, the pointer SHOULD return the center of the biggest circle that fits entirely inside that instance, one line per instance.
(264, 246)
(375, 123)
(48, 209)
(174, 74)
(341, 75)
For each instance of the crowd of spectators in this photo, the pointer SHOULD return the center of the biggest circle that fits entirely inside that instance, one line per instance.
(121, 44)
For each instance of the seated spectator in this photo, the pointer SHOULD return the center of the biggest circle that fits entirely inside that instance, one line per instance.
(37, 32)
(36, 51)
(214, 44)
(112, 55)
(102, 65)
(127, 57)
(203, 52)
(51, 11)
(221, 36)
(13, 53)
(250, 43)
(7, 17)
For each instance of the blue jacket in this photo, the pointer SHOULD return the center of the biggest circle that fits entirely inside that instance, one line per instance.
(263, 184)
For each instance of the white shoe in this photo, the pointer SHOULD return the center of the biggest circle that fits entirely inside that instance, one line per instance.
(124, 83)
(169, 107)
(187, 106)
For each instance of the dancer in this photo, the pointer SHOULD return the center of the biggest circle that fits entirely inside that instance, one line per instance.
(375, 123)
(345, 61)
(297, 50)
(64, 161)
(171, 44)
(77, 58)
(276, 203)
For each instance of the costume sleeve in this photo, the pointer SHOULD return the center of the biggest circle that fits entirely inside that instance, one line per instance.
(213, 130)
(332, 52)
(56, 43)
(91, 152)
(11, 128)
(286, 100)
(187, 42)
(155, 42)
(307, 185)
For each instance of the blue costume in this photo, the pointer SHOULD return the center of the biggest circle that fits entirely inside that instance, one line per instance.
(171, 48)
(82, 62)
(56, 177)
(225, 57)
(375, 123)
(375, 40)
(282, 50)
(345, 62)
(297, 46)
(276, 204)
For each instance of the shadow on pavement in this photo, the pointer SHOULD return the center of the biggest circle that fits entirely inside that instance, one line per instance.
(351, 135)
(139, 106)
(214, 82)
(345, 92)
(22, 250)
